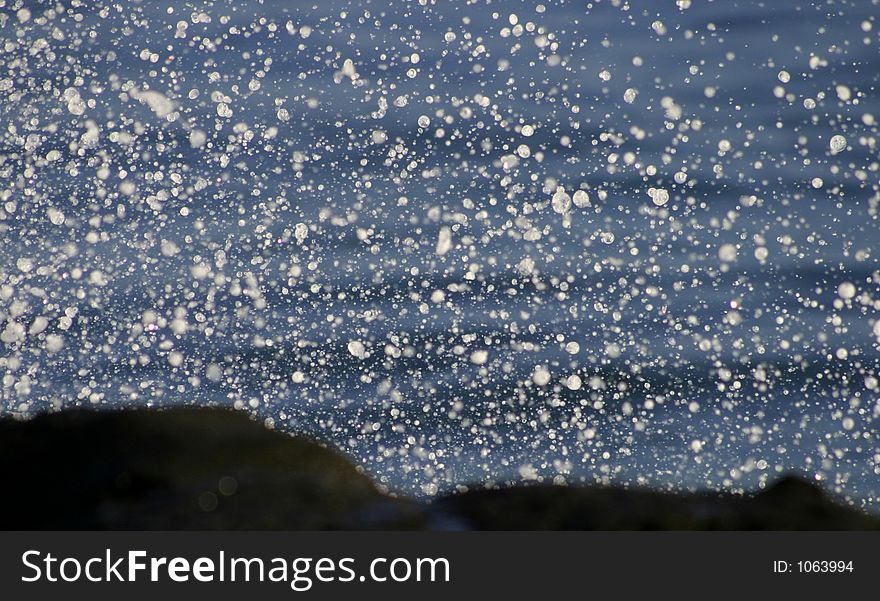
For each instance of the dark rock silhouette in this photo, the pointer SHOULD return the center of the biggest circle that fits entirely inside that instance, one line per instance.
(175, 469)
(790, 504)
(218, 469)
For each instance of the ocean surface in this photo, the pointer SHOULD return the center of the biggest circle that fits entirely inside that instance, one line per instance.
(466, 242)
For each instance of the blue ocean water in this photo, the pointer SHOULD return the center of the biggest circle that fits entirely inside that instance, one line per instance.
(467, 243)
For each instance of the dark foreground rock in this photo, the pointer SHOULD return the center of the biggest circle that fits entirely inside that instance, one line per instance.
(790, 504)
(215, 469)
(177, 469)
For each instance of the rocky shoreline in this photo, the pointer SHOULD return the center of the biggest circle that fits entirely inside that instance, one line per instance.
(191, 468)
